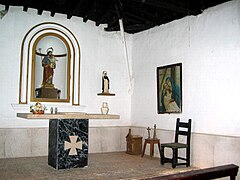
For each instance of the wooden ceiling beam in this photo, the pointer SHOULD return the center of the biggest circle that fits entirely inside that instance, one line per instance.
(169, 6)
(26, 5)
(107, 12)
(113, 24)
(112, 28)
(118, 7)
(137, 14)
(53, 13)
(104, 17)
(41, 5)
(133, 16)
(73, 11)
(114, 21)
(99, 11)
(89, 10)
(138, 27)
(6, 7)
(39, 11)
(25, 8)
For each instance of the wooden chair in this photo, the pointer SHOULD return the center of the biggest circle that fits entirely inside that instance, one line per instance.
(183, 129)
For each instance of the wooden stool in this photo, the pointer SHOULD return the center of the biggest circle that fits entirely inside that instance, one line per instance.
(151, 142)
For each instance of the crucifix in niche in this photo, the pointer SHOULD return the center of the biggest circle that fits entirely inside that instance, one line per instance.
(47, 89)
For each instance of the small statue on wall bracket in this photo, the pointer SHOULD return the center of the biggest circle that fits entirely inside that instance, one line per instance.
(105, 85)
(105, 82)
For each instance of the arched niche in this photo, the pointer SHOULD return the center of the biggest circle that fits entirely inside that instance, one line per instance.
(50, 75)
(37, 36)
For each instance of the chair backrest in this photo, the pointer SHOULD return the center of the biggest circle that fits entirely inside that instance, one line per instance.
(183, 129)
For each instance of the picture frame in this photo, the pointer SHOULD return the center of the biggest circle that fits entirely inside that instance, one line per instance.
(169, 88)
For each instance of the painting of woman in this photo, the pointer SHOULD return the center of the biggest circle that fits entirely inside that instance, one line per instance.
(169, 79)
(170, 96)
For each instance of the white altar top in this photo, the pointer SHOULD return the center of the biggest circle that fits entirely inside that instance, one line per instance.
(67, 115)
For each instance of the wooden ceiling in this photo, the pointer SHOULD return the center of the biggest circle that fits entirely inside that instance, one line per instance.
(137, 15)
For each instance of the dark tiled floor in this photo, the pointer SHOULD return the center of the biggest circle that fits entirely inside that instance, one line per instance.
(107, 166)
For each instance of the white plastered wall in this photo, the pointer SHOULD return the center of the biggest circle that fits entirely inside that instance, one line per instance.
(208, 46)
(99, 51)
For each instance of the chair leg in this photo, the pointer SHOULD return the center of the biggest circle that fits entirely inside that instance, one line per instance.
(174, 158)
(188, 157)
(162, 155)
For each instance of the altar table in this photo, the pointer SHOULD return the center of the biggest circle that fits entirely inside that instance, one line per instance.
(68, 137)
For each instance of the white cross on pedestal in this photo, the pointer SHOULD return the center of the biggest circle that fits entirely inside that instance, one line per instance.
(73, 145)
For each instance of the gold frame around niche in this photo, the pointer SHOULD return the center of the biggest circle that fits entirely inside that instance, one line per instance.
(24, 82)
(32, 95)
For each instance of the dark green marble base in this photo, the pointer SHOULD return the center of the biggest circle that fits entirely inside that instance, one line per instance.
(60, 156)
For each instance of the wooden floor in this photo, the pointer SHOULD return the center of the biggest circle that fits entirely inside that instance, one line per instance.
(118, 165)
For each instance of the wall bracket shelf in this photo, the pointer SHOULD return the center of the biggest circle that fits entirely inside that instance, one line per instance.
(106, 94)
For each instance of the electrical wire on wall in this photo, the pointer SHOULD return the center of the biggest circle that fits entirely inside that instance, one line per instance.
(126, 56)
(118, 7)
(189, 29)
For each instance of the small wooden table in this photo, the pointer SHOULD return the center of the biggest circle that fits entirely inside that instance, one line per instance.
(151, 142)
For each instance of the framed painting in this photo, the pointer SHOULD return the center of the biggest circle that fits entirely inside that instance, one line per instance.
(169, 88)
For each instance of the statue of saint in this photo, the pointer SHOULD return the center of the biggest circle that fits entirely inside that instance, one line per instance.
(105, 82)
(47, 89)
(49, 64)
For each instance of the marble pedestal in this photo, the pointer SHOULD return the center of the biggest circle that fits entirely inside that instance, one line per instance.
(68, 143)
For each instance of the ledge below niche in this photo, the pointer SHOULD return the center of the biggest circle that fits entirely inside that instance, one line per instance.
(25, 108)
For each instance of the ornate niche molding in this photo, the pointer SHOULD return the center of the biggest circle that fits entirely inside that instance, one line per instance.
(52, 82)
(35, 34)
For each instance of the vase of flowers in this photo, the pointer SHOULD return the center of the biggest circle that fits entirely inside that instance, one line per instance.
(38, 108)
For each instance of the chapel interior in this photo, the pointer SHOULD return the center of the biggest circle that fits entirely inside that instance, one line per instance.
(98, 89)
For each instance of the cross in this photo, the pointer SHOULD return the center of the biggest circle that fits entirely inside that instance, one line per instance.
(73, 145)
(148, 129)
